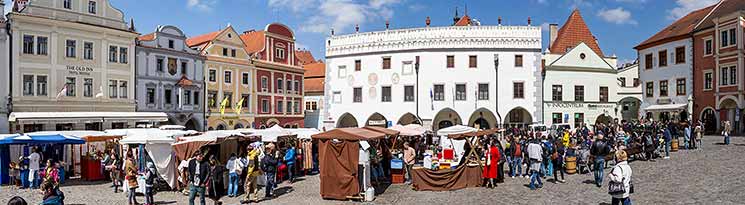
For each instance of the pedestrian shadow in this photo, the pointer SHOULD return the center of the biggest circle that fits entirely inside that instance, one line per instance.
(381, 188)
(165, 202)
(588, 181)
(604, 203)
(282, 191)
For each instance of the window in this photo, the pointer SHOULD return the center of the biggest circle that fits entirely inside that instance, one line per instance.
(184, 67)
(279, 85)
(556, 93)
(518, 61)
(67, 4)
(439, 93)
(70, 83)
(264, 106)
(232, 53)
(228, 76)
(386, 63)
(150, 95)
(41, 85)
(723, 77)
(450, 61)
(88, 50)
(113, 53)
(483, 92)
(41, 46)
(518, 90)
(680, 55)
(311, 105)
(245, 78)
(224, 51)
(296, 106)
(187, 97)
(650, 89)
(280, 105)
(171, 44)
(123, 89)
(357, 65)
(472, 61)
(623, 81)
(336, 97)
(603, 94)
(112, 89)
(167, 94)
(357, 94)
(92, 7)
(407, 68)
(211, 99)
(123, 55)
(386, 96)
(680, 86)
(289, 107)
(732, 37)
(708, 81)
(70, 49)
(342, 73)
(648, 59)
(264, 84)
(460, 92)
(708, 47)
(196, 98)
(213, 75)
(88, 87)
(637, 82)
(725, 38)
(297, 87)
(579, 118)
(556, 118)
(280, 53)
(733, 75)
(579, 93)
(662, 58)
(729, 38)
(28, 44)
(409, 93)
(28, 85)
(289, 86)
(663, 88)
(246, 98)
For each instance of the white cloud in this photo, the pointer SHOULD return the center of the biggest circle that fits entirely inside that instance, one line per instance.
(201, 5)
(417, 7)
(341, 15)
(686, 6)
(616, 16)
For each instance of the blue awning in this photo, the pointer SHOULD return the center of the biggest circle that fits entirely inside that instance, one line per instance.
(41, 139)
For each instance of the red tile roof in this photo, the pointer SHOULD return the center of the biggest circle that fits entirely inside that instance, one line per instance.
(147, 37)
(313, 85)
(254, 41)
(201, 39)
(464, 21)
(573, 32)
(680, 28)
(304, 57)
(317, 69)
(185, 82)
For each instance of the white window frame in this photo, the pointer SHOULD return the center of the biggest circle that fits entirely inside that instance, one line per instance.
(407, 68)
(264, 84)
(74, 49)
(91, 55)
(336, 97)
(342, 71)
(209, 71)
(231, 76)
(248, 81)
(708, 71)
(708, 38)
(92, 7)
(727, 29)
(46, 85)
(32, 84)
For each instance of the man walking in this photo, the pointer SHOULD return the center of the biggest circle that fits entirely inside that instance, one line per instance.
(409, 159)
(33, 168)
(535, 152)
(269, 166)
(599, 150)
(668, 140)
(199, 172)
(252, 193)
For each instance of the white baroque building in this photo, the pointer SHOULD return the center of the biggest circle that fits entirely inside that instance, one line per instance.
(434, 76)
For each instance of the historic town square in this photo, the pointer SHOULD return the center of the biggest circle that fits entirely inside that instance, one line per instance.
(372, 102)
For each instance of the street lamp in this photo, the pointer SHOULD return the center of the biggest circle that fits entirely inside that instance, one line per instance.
(496, 82)
(416, 70)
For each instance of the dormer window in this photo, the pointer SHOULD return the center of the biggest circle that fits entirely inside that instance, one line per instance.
(67, 4)
(92, 7)
(171, 44)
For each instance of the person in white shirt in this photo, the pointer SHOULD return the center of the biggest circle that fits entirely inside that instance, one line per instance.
(33, 168)
(235, 167)
(621, 173)
(535, 153)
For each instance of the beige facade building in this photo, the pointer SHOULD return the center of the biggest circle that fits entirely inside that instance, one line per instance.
(76, 57)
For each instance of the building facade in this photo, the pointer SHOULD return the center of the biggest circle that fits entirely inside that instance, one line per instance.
(170, 77)
(405, 76)
(229, 76)
(63, 55)
(718, 66)
(278, 76)
(573, 57)
(314, 77)
(629, 92)
(4, 76)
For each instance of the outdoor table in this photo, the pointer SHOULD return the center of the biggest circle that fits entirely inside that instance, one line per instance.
(446, 179)
(91, 169)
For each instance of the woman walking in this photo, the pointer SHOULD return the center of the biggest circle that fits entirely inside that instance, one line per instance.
(115, 170)
(557, 158)
(492, 160)
(130, 168)
(620, 180)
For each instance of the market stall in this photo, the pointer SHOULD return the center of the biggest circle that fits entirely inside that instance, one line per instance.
(52, 145)
(339, 157)
(156, 144)
(226, 141)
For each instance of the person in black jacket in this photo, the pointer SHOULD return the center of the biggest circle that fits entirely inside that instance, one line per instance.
(199, 172)
(269, 166)
(599, 150)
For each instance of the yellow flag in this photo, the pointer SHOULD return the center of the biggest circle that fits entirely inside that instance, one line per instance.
(223, 104)
(238, 106)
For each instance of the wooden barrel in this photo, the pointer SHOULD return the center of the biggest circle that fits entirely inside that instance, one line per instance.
(674, 146)
(571, 165)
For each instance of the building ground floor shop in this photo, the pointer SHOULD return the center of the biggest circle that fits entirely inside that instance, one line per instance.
(578, 113)
(24, 122)
(229, 121)
(283, 121)
(190, 120)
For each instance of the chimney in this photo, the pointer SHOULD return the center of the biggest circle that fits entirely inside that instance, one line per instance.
(553, 30)
(427, 21)
(499, 21)
(387, 24)
(529, 21)
(357, 28)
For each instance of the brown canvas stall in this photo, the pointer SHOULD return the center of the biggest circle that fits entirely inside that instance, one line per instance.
(338, 155)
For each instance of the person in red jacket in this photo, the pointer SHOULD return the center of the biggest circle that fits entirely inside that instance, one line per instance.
(492, 164)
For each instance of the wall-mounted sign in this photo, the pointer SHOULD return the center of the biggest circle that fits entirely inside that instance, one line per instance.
(377, 122)
(664, 101)
(565, 105)
(79, 70)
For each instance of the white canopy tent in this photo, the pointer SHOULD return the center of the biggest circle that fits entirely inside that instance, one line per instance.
(456, 145)
(409, 130)
(270, 134)
(158, 145)
(303, 133)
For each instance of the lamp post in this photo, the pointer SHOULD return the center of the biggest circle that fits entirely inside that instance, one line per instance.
(416, 70)
(496, 97)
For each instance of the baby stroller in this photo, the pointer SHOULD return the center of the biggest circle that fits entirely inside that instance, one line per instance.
(583, 161)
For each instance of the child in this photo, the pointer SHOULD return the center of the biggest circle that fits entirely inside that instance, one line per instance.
(150, 176)
(13, 172)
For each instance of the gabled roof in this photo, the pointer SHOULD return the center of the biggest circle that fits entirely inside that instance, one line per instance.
(464, 21)
(720, 9)
(680, 28)
(317, 69)
(254, 41)
(304, 57)
(147, 37)
(572, 33)
(185, 82)
(201, 39)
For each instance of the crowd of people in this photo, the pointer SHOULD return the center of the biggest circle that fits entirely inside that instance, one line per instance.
(34, 171)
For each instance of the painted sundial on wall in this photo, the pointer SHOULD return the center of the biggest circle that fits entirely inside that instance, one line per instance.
(350, 80)
(372, 79)
(395, 78)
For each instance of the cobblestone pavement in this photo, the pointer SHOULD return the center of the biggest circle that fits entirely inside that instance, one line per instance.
(708, 176)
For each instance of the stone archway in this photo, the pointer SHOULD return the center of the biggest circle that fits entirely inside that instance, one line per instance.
(191, 124)
(238, 126)
(482, 118)
(727, 111)
(630, 108)
(445, 118)
(408, 118)
(346, 120)
(518, 117)
(603, 119)
(376, 119)
(220, 127)
(709, 118)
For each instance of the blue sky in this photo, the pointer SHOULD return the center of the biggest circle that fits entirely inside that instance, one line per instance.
(619, 25)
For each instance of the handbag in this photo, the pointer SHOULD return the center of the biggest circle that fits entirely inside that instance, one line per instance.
(616, 188)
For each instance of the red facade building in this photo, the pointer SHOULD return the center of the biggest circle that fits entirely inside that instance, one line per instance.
(279, 76)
